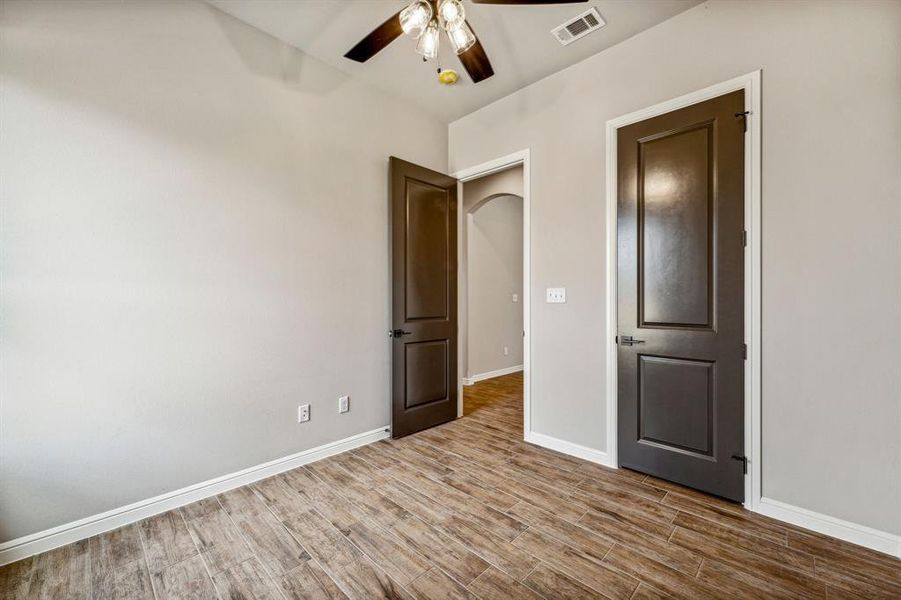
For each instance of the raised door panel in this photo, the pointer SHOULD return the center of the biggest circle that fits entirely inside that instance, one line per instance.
(427, 372)
(676, 404)
(675, 228)
(427, 256)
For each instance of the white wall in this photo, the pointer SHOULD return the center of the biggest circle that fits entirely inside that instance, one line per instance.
(494, 276)
(194, 241)
(831, 222)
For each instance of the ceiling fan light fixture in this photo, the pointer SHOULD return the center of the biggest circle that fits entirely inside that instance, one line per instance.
(451, 14)
(461, 38)
(428, 41)
(415, 18)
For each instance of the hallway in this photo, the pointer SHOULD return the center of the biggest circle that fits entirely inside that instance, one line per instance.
(500, 397)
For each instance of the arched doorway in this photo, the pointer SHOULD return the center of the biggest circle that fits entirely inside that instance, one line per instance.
(492, 295)
(494, 287)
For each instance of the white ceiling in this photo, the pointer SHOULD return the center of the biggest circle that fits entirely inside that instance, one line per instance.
(517, 40)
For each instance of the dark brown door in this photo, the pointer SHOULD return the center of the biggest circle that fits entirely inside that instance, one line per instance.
(424, 306)
(681, 296)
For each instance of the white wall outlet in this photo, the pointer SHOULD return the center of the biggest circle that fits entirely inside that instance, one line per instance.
(506, 350)
(303, 413)
(343, 404)
(556, 295)
(516, 297)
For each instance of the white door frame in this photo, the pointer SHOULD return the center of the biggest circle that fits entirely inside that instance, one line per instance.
(750, 83)
(468, 174)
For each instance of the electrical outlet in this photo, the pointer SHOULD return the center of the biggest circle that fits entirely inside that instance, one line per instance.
(343, 404)
(303, 413)
(516, 297)
(506, 350)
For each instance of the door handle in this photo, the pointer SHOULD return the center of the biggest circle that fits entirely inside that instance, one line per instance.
(396, 333)
(628, 340)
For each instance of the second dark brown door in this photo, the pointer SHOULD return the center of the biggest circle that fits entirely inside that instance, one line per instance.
(424, 297)
(681, 296)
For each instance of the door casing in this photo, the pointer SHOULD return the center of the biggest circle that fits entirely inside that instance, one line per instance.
(750, 83)
(462, 176)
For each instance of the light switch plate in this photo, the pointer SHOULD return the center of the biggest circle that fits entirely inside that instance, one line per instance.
(556, 295)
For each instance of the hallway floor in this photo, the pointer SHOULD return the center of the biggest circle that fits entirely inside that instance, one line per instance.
(464, 510)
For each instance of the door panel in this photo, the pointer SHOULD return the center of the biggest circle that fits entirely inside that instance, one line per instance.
(680, 277)
(675, 219)
(676, 404)
(428, 223)
(424, 297)
(426, 366)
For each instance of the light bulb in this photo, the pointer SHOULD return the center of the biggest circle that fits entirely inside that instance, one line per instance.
(415, 18)
(461, 38)
(428, 41)
(451, 14)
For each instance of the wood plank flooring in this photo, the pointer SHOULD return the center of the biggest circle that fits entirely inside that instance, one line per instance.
(465, 510)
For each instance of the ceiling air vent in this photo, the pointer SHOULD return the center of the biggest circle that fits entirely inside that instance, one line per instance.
(578, 27)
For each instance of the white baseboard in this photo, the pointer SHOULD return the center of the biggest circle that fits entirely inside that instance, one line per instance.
(844, 530)
(491, 374)
(564, 447)
(49, 539)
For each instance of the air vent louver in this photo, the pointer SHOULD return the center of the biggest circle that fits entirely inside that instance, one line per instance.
(578, 27)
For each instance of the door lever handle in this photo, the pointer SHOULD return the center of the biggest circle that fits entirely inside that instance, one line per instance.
(396, 333)
(628, 340)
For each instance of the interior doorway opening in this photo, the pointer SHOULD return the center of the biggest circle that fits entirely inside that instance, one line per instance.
(493, 287)
(428, 276)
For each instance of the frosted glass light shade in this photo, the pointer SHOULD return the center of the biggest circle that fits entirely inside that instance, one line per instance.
(428, 41)
(415, 18)
(451, 14)
(461, 38)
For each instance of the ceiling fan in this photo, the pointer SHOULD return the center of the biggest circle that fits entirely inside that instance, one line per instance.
(424, 20)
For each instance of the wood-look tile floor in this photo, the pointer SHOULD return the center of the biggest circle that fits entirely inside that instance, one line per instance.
(465, 510)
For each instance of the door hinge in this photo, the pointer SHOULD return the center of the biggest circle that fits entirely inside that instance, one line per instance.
(744, 462)
(744, 351)
(744, 238)
(744, 119)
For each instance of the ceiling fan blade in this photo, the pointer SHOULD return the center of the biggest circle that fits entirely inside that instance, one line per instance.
(376, 41)
(527, 2)
(475, 61)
